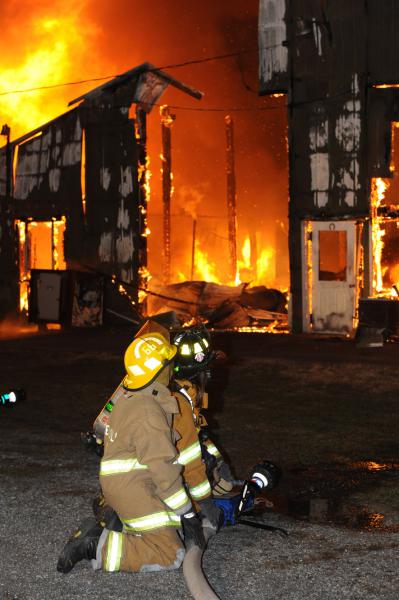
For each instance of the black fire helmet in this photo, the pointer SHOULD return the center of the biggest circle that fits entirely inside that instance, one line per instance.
(194, 351)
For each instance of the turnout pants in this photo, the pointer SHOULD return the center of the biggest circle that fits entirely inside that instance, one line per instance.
(149, 540)
(151, 551)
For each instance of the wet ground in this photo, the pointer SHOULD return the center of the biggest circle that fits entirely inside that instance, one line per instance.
(325, 411)
(343, 494)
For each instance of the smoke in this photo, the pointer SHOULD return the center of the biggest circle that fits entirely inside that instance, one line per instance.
(85, 39)
(189, 200)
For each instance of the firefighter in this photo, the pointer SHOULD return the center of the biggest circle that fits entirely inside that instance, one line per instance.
(141, 472)
(191, 375)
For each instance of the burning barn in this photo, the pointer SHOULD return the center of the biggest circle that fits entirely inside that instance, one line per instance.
(74, 202)
(338, 64)
(74, 211)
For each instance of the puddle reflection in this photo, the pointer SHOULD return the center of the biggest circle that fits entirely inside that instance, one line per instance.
(322, 494)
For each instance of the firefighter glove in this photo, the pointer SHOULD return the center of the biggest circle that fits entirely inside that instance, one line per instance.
(223, 479)
(211, 514)
(225, 472)
(192, 531)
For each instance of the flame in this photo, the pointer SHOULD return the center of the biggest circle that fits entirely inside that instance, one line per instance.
(264, 264)
(378, 190)
(58, 45)
(58, 243)
(166, 118)
(144, 279)
(23, 279)
(122, 290)
(204, 268)
(255, 270)
(246, 252)
(147, 179)
(309, 274)
(207, 270)
(53, 253)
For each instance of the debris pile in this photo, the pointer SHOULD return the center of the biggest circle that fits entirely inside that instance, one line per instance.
(220, 306)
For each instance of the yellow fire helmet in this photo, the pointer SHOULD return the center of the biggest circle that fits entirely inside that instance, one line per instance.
(147, 355)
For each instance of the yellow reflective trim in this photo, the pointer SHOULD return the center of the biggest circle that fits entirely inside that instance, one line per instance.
(201, 490)
(189, 454)
(154, 521)
(185, 350)
(114, 551)
(113, 467)
(177, 500)
(212, 449)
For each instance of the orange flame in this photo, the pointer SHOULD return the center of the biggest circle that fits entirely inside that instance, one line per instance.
(264, 265)
(204, 268)
(255, 270)
(58, 46)
(207, 270)
(48, 255)
(378, 189)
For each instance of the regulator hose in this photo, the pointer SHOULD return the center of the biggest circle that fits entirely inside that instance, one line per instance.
(193, 573)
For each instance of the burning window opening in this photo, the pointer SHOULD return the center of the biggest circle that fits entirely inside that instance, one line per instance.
(385, 227)
(41, 246)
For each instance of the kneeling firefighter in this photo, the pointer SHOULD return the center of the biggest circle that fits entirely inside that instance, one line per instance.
(201, 459)
(141, 472)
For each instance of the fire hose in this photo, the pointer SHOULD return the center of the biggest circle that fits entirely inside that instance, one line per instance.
(233, 508)
(193, 573)
(264, 474)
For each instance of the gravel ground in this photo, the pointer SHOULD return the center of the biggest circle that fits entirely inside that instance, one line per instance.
(314, 562)
(48, 481)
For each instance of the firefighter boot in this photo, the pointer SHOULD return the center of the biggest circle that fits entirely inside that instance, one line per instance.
(82, 544)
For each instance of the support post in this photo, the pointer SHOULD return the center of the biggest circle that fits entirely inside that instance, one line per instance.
(8, 259)
(143, 181)
(167, 185)
(231, 196)
(193, 249)
(254, 254)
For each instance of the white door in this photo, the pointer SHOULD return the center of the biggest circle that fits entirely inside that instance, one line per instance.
(48, 296)
(331, 282)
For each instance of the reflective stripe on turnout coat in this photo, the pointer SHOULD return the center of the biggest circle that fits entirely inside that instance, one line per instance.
(139, 473)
